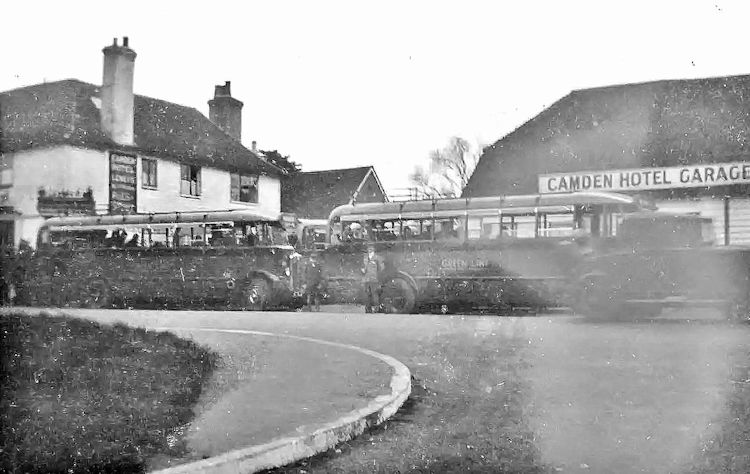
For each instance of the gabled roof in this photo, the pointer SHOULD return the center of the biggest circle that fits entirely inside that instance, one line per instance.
(662, 123)
(66, 113)
(314, 194)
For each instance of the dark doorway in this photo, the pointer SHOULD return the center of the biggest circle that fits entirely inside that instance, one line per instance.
(6, 233)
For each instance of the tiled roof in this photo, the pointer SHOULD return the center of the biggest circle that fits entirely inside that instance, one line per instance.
(664, 123)
(314, 194)
(63, 113)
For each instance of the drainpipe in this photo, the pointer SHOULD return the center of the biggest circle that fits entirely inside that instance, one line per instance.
(726, 220)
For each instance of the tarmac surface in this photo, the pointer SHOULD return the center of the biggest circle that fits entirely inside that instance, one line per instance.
(639, 397)
(271, 387)
(603, 397)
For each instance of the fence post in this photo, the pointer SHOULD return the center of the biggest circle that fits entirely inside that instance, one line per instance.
(726, 220)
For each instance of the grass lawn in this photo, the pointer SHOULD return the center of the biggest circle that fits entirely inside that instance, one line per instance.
(81, 397)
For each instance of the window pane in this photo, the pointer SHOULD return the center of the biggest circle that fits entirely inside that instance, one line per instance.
(447, 228)
(149, 173)
(476, 227)
(234, 186)
(152, 173)
(248, 188)
(6, 176)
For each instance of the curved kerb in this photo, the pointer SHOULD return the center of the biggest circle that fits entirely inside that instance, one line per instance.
(284, 451)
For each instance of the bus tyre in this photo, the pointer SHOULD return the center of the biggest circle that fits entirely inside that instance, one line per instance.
(398, 296)
(256, 294)
(97, 294)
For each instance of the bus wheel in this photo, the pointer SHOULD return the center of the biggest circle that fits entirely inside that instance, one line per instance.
(96, 295)
(398, 296)
(256, 294)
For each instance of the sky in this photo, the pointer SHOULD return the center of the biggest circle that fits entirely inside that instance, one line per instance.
(338, 84)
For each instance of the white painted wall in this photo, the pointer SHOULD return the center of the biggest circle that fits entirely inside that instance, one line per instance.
(215, 192)
(62, 168)
(739, 215)
(67, 168)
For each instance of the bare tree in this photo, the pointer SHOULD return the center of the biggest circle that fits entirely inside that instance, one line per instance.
(449, 171)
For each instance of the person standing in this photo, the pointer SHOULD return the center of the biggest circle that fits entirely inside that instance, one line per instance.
(313, 283)
(372, 271)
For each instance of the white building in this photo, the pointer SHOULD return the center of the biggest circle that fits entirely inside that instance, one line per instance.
(70, 147)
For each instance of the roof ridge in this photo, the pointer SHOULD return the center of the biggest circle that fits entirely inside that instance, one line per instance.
(661, 81)
(162, 128)
(51, 83)
(98, 86)
(337, 169)
(216, 127)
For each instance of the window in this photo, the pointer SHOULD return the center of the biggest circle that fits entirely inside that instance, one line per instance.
(6, 176)
(190, 180)
(6, 172)
(148, 173)
(449, 228)
(244, 188)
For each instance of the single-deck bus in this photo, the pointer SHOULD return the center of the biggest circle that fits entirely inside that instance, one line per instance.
(497, 252)
(236, 259)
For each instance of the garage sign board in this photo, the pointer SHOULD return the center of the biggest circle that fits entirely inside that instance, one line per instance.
(642, 179)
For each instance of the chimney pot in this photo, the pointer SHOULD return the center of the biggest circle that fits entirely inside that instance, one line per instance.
(226, 111)
(255, 146)
(117, 93)
(114, 41)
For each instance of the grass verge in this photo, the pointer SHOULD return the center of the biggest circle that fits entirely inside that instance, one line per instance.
(81, 397)
(467, 413)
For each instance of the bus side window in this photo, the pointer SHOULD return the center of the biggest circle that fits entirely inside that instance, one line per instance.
(410, 230)
(385, 230)
(426, 233)
(447, 229)
(478, 228)
(353, 231)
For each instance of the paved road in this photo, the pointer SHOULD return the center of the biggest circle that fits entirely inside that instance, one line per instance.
(630, 397)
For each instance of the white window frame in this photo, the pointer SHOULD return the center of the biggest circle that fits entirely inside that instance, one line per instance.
(190, 187)
(235, 187)
(146, 173)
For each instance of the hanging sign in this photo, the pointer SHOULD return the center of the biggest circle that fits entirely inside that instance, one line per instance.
(122, 184)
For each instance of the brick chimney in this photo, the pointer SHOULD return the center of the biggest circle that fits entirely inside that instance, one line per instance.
(117, 92)
(225, 111)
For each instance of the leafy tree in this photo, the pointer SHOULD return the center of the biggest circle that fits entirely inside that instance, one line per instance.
(290, 169)
(449, 170)
(282, 161)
